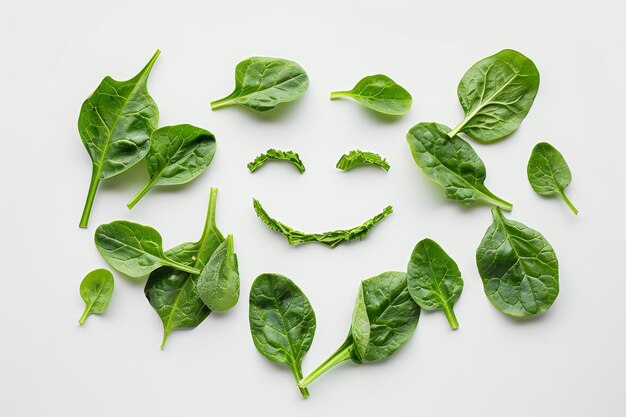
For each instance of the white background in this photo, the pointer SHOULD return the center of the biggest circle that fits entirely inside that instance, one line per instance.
(568, 362)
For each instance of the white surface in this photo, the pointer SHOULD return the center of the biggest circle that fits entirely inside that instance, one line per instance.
(568, 362)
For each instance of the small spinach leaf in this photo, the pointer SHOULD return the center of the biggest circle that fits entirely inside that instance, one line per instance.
(262, 83)
(519, 268)
(282, 322)
(357, 158)
(172, 293)
(218, 284)
(383, 320)
(134, 249)
(178, 154)
(380, 93)
(452, 163)
(548, 172)
(96, 290)
(434, 279)
(496, 95)
(332, 239)
(277, 155)
(115, 125)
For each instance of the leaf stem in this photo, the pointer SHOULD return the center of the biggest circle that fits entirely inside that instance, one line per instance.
(449, 312)
(183, 267)
(337, 94)
(217, 104)
(297, 373)
(210, 216)
(491, 198)
(82, 319)
(569, 203)
(91, 194)
(342, 354)
(140, 194)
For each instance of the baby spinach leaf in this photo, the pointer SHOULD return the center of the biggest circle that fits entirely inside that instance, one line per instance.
(332, 239)
(262, 83)
(548, 172)
(384, 319)
(134, 249)
(282, 322)
(277, 155)
(452, 163)
(218, 284)
(96, 290)
(380, 93)
(519, 268)
(357, 158)
(115, 125)
(173, 293)
(434, 279)
(496, 95)
(178, 154)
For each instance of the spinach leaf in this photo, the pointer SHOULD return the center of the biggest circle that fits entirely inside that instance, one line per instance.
(96, 290)
(384, 319)
(282, 322)
(277, 155)
(218, 284)
(380, 93)
(496, 95)
(332, 239)
(519, 268)
(173, 293)
(178, 154)
(548, 172)
(115, 125)
(452, 163)
(262, 83)
(134, 249)
(434, 279)
(357, 158)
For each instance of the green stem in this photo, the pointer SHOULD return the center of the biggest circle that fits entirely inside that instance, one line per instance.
(140, 194)
(82, 319)
(210, 215)
(342, 354)
(337, 94)
(457, 129)
(221, 103)
(183, 267)
(165, 334)
(297, 373)
(449, 312)
(91, 194)
(491, 198)
(569, 203)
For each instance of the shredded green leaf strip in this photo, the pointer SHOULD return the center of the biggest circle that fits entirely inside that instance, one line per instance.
(357, 158)
(277, 155)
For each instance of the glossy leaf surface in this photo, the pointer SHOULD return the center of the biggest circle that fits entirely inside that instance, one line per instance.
(519, 268)
(357, 158)
(379, 93)
(96, 290)
(277, 155)
(218, 284)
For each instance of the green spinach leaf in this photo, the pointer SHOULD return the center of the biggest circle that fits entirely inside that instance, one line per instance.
(357, 158)
(96, 290)
(496, 95)
(384, 319)
(519, 268)
(277, 155)
(282, 322)
(178, 154)
(173, 293)
(115, 125)
(134, 249)
(434, 279)
(452, 163)
(332, 239)
(262, 83)
(548, 172)
(218, 284)
(380, 93)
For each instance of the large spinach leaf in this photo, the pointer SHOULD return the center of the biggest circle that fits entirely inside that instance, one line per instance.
(380, 93)
(96, 290)
(332, 239)
(452, 163)
(383, 320)
(173, 293)
(357, 158)
(519, 268)
(262, 83)
(548, 172)
(277, 155)
(178, 154)
(282, 322)
(434, 279)
(218, 284)
(115, 125)
(496, 95)
(134, 249)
